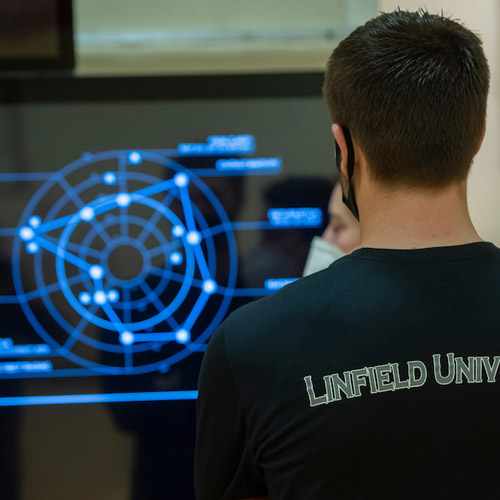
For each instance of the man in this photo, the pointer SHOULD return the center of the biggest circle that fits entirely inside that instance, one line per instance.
(375, 378)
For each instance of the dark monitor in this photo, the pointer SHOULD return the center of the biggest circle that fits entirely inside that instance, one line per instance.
(36, 35)
(137, 214)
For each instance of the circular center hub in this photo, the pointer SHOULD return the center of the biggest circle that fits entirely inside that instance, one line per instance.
(125, 262)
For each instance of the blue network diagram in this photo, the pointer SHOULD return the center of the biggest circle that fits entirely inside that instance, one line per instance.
(124, 262)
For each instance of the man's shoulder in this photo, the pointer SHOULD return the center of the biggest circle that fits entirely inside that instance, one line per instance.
(287, 309)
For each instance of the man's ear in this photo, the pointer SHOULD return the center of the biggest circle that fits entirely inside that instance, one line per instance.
(338, 133)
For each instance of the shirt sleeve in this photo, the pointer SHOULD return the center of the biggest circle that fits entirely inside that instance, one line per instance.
(224, 469)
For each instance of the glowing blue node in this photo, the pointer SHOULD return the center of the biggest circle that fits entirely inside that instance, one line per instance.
(100, 297)
(113, 296)
(109, 178)
(181, 179)
(87, 214)
(175, 258)
(193, 237)
(32, 247)
(96, 272)
(135, 157)
(182, 336)
(127, 338)
(209, 286)
(34, 221)
(85, 298)
(177, 231)
(123, 199)
(26, 233)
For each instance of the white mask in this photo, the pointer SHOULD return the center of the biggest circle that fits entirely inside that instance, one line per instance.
(321, 255)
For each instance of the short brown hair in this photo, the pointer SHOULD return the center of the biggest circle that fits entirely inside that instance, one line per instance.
(412, 87)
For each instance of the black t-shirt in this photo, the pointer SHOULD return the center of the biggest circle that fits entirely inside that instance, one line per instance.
(375, 378)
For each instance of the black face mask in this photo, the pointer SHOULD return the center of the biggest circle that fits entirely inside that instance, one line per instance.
(350, 200)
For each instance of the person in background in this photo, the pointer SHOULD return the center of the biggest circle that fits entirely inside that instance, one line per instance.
(341, 236)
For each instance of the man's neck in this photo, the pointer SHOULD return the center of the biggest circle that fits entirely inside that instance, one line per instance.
(403, 219)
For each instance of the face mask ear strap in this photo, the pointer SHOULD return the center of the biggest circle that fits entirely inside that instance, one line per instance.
(349, 200)
(350, 152)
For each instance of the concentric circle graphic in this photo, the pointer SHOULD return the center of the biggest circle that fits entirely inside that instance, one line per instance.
(124, 249)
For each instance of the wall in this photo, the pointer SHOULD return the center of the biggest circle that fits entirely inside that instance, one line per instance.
(483, 17)
(196, 36)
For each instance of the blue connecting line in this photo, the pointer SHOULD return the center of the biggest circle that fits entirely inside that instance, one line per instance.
(47, 289)
(197, 308)
(152, 296)
(127, 311)
(11, 231)
(91, 252)
(157, 271)
(122, 169)
(151, 223)
(69, 372)
(188, 209)
(82, 324)
(110, 312)
(63, 253)
(154, 189)
(27, 176)
(172, 245)
(10, 299)
(109, 204)
(154, 337)
(121, 397)
(200, 258)
(54, 224)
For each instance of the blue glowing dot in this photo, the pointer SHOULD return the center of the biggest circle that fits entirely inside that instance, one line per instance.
(175, 258)
(85, 298)
(109, 178)
(26, 233)
(113, 296)
(135, 157)
(193, 237)
(181, 179)
(182, 336)
(177, 231)
(209, 286)
(123, 199)
(127, 338)
(34, 221)
(32, 247)
(87, 214)
(100, 297)
(96, 272)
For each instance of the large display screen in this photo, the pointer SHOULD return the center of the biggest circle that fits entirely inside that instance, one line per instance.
(130, 229)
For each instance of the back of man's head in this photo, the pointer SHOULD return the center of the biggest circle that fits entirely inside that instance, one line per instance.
(412, 87)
